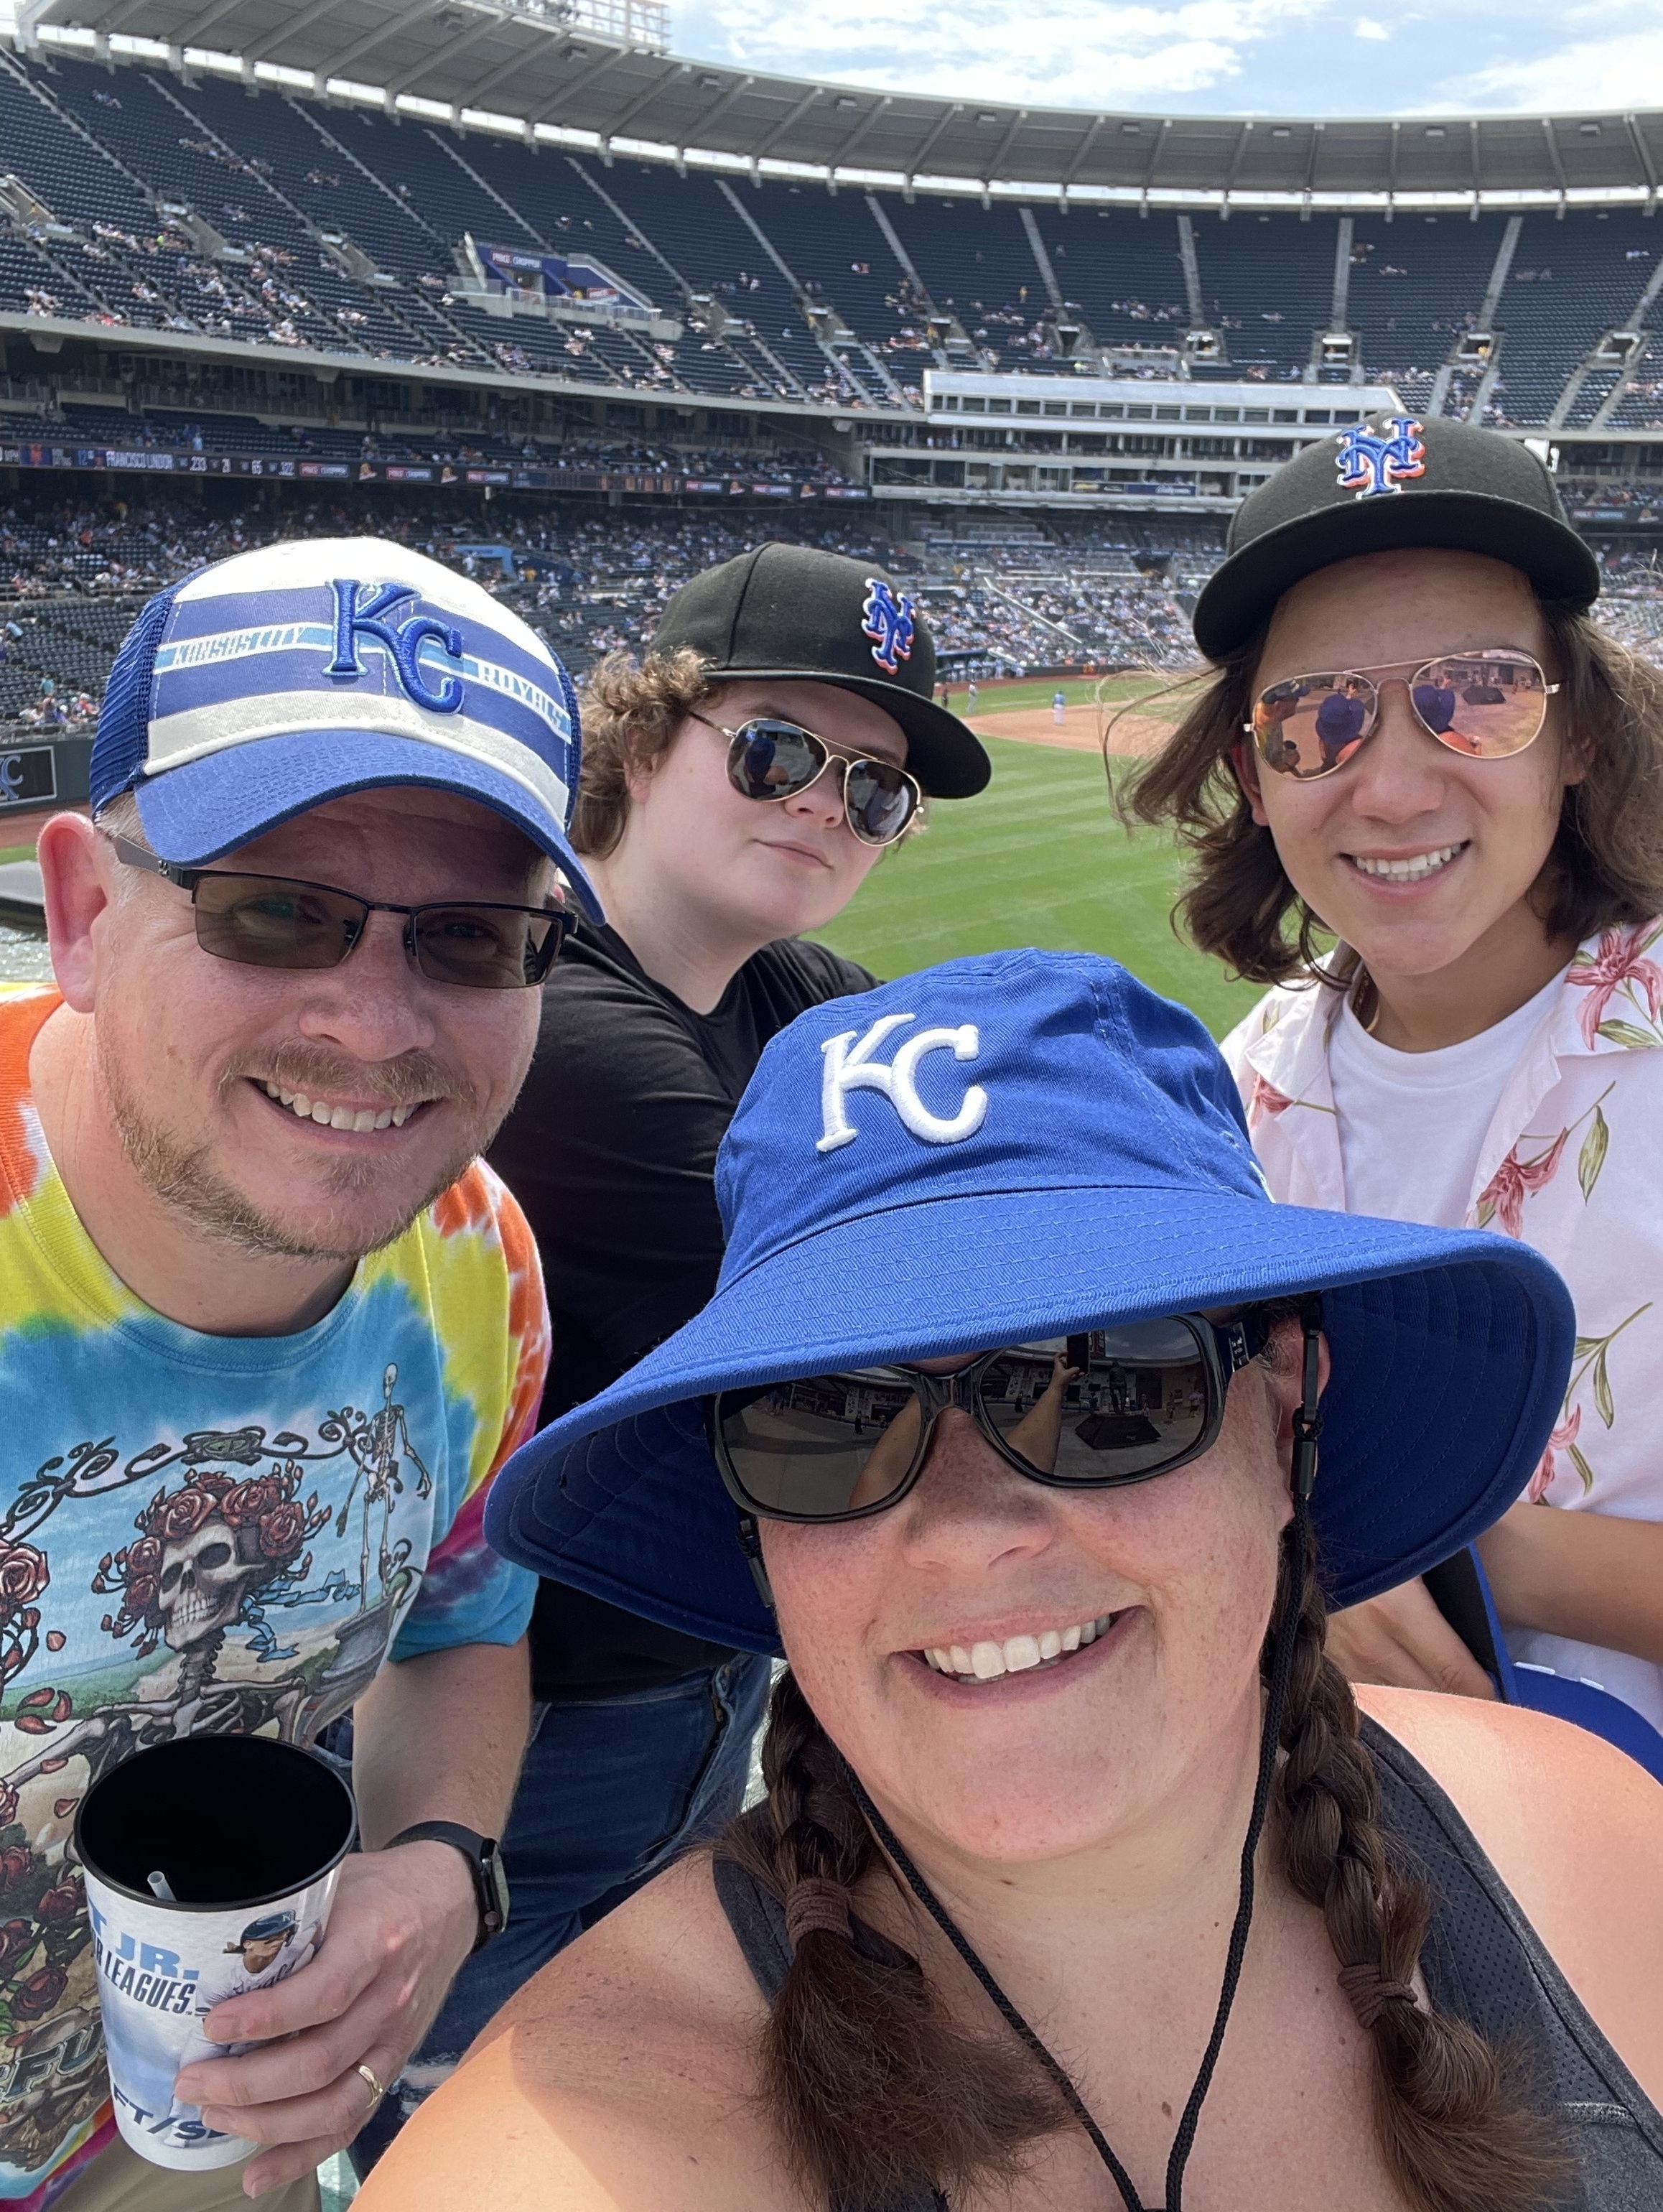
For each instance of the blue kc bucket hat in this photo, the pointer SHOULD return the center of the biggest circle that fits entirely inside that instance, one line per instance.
(1007, 1149)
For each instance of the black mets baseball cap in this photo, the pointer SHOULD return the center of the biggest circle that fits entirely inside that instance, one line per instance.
(791, 611)
(1390, 482)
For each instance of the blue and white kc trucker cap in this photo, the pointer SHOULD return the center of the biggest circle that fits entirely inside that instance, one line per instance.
(266, 683)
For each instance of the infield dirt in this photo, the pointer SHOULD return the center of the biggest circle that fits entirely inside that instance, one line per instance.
(1136, 736)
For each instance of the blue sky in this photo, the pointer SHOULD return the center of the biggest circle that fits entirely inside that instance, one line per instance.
(1254, 57)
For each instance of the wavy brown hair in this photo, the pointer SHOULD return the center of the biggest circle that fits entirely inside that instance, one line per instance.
(879, 2095)
(1605, 865)
(631, 710)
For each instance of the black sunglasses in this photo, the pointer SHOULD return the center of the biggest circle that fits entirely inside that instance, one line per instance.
(1093, 1410)
(769, 758)
(278, 921)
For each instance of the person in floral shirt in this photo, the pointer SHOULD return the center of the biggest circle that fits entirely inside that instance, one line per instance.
(1481, 1047)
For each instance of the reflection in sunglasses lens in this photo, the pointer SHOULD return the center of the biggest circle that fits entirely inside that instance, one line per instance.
(827, 1445)
(879, 801)
(1107, 1405)
(262, 922)
(1312, 724)
(771, 760)
(1487, 704)
(265, 921)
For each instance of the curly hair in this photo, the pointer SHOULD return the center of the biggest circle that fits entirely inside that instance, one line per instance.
(631, 711)
(1605, 865)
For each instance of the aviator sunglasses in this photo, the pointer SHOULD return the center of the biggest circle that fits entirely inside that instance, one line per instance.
(770, 758)
(1488, 703)
(279, 921)
(1094, 1410)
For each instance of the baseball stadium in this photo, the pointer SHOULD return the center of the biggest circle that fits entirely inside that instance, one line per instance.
(593, 334)
(518, 283)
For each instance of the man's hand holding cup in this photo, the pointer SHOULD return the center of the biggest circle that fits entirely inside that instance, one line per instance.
(404, 1920)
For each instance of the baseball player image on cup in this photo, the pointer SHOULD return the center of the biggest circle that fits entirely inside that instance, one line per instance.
(268, 1951)
(210, 1867)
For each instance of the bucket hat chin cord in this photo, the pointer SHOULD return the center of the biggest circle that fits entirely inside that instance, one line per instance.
(1307, 1427)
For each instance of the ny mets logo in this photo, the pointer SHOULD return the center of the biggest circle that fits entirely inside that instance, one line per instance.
(1369, 465)
(359, 609)
(889, 624)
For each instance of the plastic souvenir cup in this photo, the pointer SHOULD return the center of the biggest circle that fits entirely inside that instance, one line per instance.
(210, 1866)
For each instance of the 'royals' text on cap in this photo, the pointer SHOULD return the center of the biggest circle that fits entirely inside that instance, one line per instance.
(296, 673)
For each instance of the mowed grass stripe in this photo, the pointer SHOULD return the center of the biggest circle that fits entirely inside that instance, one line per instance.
(1037, 859)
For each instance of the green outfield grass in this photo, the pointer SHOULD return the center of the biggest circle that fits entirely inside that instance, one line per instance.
(1010, 693)
(1037, 858)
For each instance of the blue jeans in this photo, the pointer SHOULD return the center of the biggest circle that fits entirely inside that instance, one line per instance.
(610, 1792)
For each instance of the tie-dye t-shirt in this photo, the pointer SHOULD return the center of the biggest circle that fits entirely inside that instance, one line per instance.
(216, 1533)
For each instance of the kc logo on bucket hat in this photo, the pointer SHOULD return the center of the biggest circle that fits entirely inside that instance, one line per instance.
(849, 1065)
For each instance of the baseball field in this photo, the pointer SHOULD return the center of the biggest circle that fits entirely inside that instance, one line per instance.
(1039, 859)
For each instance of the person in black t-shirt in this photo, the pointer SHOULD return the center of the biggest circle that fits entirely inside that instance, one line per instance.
(737, 786)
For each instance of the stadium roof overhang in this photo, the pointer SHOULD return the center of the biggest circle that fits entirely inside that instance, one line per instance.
(532, 66)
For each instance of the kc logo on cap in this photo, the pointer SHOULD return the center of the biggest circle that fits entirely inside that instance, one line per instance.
(356, 616)
(849, 1065)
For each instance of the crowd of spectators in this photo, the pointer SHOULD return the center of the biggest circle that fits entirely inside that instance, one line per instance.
(1005, 594)
(179, 423)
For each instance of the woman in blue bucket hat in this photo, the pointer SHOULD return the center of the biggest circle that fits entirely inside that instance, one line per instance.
(1038, 1440)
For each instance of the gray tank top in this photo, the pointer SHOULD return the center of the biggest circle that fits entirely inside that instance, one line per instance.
(1482, 1963)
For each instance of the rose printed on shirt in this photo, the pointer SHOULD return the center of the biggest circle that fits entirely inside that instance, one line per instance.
(225, 1549)
(1266, 1100)
(1590, 1366)
(209, 1534)
(1503, 1198)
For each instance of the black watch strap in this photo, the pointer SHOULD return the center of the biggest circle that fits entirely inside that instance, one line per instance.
(484, 1863)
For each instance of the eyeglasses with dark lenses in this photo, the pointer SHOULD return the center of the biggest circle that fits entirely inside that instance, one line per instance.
(1488, 704)
(1091, 1410)
(769, 758)
(279, 921)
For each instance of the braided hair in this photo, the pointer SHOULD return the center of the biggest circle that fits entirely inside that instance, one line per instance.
(878, 2095)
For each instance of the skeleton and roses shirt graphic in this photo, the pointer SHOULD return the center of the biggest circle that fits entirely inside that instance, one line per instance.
(216, 1533)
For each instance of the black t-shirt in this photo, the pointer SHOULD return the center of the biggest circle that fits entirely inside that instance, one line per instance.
(611, 1152)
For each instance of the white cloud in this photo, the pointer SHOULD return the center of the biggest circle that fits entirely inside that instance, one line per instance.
(1367, 27)
(1624, 70)
(1077, 53)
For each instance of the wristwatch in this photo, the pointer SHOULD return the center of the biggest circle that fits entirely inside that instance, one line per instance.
(484, 1864)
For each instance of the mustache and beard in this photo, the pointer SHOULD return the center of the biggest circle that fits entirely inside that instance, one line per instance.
(184, 1176)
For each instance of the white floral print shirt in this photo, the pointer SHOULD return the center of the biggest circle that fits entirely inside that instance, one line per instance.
(1572, 1164)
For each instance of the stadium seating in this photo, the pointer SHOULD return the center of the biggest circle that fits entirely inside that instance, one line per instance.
(785, 291)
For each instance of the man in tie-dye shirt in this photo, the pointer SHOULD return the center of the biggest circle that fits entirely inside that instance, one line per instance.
(267, 1325)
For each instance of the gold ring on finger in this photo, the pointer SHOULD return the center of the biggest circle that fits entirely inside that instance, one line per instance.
(376, 2089)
